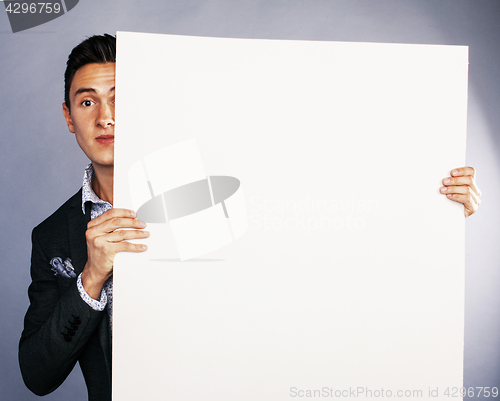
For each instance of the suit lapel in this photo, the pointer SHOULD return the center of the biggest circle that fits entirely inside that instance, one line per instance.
(77, 226)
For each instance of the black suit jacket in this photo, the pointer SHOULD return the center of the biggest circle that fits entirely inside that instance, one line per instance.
(59, 327)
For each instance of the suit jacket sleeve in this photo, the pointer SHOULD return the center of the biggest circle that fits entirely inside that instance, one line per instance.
(57, 327)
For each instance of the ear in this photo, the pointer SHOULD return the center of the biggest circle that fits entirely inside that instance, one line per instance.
(67, 116)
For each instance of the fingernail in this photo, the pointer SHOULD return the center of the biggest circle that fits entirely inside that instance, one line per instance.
(449, 195)
(444, 189)
(146, 233)
(447, 180)
(133, 214)
(144, 247)
(454, 172)
(141, 223)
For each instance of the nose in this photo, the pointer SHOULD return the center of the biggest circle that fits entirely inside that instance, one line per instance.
(106, 116)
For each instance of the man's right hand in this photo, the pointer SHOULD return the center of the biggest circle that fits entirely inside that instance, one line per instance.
(106, 236)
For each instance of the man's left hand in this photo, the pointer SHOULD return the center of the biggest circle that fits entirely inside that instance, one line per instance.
(461, 187)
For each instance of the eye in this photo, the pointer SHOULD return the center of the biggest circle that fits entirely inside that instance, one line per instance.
(87, 103)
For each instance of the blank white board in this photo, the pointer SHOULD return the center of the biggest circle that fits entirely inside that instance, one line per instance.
(349, 277)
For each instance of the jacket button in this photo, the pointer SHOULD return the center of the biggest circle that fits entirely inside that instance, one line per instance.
(76, 320)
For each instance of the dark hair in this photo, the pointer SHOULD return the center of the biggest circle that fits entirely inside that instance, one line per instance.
(99, 49)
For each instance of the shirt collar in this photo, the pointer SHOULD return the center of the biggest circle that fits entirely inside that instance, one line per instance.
(88, 194)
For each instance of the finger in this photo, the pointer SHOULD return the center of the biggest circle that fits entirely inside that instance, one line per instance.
(124, 235)
(111, 214)
(461, 190)
(128, 247)
(113, 248)
(116, 223)
(462, 171)
(462, 180)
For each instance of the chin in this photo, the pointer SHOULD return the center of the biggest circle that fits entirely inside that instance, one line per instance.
(104, 163)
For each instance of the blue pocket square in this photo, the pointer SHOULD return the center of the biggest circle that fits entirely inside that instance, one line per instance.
(64, 269)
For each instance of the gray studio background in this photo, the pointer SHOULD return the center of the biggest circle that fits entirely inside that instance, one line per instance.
(41, 164)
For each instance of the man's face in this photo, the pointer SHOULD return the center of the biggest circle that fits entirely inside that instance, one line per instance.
(92, 117)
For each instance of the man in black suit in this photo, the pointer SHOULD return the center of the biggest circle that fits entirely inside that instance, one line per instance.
(69, 318)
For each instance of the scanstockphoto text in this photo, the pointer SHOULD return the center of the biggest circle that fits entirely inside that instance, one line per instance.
(365, 392)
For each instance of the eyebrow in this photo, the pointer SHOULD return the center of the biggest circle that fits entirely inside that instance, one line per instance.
(87, 90)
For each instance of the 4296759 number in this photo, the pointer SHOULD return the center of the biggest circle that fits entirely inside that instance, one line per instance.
(471, 392)
(33, 8)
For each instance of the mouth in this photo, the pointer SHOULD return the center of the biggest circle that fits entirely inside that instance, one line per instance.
(105, 139)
